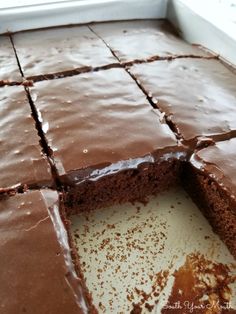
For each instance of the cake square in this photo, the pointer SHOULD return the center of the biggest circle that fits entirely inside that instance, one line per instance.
(100, 124)
(198, 96)
(50, 52)
(210, 178)
(144, 39)
(37, 271)
(22, 162)
(9, 70)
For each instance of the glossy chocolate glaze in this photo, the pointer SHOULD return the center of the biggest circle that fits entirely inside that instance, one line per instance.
(142, 39)
(198, 96)
(21, 158)
(96, 124)
(37, 273)
(100, 122)
(219, 162)
(53, 51)
(9, 70)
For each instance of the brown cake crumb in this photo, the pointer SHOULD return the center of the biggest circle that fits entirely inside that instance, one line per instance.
(199, 285)
(136, 309)
(149, 307)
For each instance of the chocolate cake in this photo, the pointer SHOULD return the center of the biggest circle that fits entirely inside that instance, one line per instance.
(9, 71)
(121, 112)
(22, 162)
(70, 49)
(145, 40)
(120, 147)
(210, 179)
(37, 271)
(198, 96)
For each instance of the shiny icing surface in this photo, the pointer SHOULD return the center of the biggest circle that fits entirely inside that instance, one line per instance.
(21, 159)
(142, 39)
(197, 95)
(97, 119)
(9, 70)
(37, 273)
(60, 49)
(97, 123)
(219, 161)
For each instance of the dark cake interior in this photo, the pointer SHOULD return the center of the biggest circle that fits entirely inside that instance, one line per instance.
(210, 179)
(108, 119)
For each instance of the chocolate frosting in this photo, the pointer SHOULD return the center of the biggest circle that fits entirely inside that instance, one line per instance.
(219, 162)
(142, 39)
(95, 120)
(197, 95)
(55, 50)
(22, 161)
(9, 70)
(37, 273)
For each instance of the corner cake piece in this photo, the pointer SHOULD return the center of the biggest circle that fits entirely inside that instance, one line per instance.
(144, 39)
(198, 96)
(210, 178)
(48, 53)
(21, 160)
(37, 270)
(108, 142)
(9, 70)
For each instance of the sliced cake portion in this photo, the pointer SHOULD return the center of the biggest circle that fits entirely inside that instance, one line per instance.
(210, 178)
(144, 39)
(48, 53)
(108, 143)
(9, 70)
(22, 163)
(198, 96)
(37, 270)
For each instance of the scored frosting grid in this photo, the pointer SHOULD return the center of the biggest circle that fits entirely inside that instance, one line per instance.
(116, 63)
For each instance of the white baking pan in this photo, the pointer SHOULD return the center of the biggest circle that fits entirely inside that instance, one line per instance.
(209, 23)
(136, 254)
